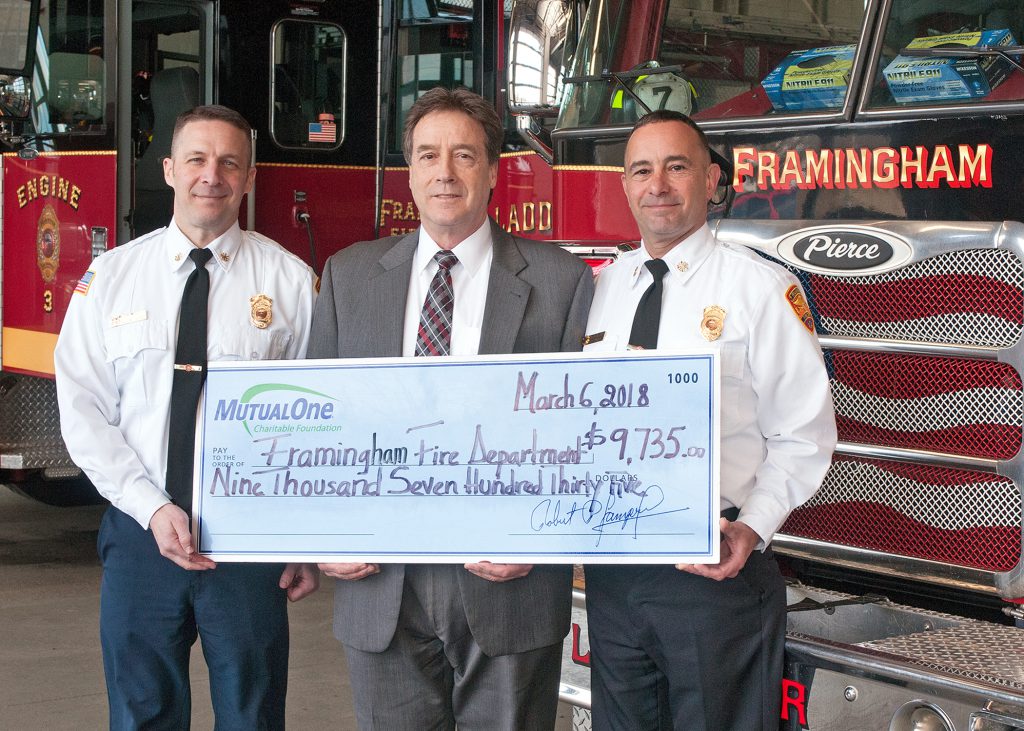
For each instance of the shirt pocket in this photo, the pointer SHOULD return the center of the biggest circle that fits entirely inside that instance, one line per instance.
(733, 363)
(733, 360)
(138, 351)
(249, 344)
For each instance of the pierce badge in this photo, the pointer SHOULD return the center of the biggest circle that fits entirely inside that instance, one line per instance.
(712, 323)
(48, 243)
(260, 313)
(796, 300)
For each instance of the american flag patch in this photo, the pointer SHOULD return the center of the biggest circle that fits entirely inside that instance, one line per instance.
(83, 284)
(323, 132)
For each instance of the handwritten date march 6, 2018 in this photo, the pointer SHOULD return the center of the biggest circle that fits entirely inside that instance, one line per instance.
(585, 397)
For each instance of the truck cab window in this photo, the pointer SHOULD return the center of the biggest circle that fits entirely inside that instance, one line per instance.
(308, 85)
(70, 84)
(939, 52)
(725, 60)
(435, 48)
(167, 64)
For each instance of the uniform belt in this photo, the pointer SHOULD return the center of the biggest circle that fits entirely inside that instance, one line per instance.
(731, 514)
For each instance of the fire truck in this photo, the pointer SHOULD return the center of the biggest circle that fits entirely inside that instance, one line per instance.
(872, 148)
(875, 152)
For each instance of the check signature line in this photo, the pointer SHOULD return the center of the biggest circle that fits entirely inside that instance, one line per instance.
(541, 535)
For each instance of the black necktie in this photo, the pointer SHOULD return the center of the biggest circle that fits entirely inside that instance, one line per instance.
(648, 312)
(189, 376)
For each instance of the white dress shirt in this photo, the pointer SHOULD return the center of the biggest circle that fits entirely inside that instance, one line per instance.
(115, 354)
(469, 283)
(777, 423)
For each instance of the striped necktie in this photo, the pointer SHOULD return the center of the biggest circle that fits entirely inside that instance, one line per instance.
(434, 336)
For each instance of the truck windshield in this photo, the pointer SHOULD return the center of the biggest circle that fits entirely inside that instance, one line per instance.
(744, 60)
(940, 53)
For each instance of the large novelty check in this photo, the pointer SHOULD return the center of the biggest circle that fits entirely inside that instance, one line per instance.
(527, 459)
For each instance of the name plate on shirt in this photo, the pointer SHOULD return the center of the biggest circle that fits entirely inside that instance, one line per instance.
(516, 459)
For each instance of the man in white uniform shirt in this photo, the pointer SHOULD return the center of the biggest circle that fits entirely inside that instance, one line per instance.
(699, 647)
(435, 646)
(115, 363)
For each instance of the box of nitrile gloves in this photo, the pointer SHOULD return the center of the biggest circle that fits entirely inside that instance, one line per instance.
(938, 78)
(816, 78)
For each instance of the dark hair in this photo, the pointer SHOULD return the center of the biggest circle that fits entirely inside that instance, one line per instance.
(211, 113)
(459, 99)
(668, 115)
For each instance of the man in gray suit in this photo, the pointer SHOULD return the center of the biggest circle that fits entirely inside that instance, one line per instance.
(432, 646)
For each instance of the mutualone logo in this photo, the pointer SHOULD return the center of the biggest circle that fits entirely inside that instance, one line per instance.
(270, 407)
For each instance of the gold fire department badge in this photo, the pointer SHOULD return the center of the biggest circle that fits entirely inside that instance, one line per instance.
(48, 243)
(260, 313)
(796, 300)
(712, 323)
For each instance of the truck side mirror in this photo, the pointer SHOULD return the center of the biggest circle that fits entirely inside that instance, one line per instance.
(18, 23)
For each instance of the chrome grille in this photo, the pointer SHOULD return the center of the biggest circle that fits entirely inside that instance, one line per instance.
(971, 297)
(959, 406)
(939, 514)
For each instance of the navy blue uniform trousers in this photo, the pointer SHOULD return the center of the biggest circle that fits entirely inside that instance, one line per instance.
(151, 612)
(671, 650)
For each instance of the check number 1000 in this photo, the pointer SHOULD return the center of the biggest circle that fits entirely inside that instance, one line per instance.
(682, 378)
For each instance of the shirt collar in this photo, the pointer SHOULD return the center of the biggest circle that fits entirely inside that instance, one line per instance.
(225, 247)
(472, 251)
(683, 259)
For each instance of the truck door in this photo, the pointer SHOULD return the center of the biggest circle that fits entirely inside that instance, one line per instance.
(165, 67)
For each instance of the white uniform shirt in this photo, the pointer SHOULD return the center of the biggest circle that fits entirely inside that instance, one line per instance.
(115, 354)
(777, 423)
(469, 283)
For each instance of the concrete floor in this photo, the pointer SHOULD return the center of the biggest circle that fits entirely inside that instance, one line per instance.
(51, 673)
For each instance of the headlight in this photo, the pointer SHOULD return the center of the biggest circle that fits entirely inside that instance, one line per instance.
(920, 716)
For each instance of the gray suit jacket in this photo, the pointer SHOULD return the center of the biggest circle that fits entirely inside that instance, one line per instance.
(538, 297)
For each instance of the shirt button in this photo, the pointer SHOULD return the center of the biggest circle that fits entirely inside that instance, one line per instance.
(254, 355)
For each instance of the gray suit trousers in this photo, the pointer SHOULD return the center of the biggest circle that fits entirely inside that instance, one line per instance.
(435, 676)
